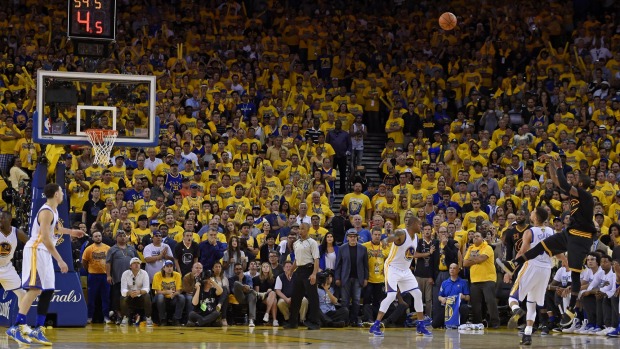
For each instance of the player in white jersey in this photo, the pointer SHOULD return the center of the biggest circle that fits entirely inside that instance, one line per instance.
(398, 275)
(533, 278)
(38, 269)
(9, 279)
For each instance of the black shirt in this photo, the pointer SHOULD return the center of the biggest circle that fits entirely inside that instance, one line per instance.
(186, 256)
(207, 302)
(581, 212)
(427, 267)
(264, 285)
(513, 240)
(92, 210)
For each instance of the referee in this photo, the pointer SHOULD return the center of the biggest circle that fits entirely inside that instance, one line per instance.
(306, 267)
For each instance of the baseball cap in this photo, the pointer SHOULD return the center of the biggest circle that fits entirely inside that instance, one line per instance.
(193, 186)
(135, 260)
(256, 207)
(154, 222)
(168, 262)
(294, 225)
(352, 231)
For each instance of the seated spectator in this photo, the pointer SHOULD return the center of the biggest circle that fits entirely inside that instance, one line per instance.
(168, 286)
(221, 280)
(135, 292)
(453, 286)
(264, 286)
(276, 268)
(189, 281)
(242, 289)
(205, 301)
(284, 290)
(330, 316)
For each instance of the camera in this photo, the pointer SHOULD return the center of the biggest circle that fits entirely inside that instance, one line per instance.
(321, 277)
(208, 274)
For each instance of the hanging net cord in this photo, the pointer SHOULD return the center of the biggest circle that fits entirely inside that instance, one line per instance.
(102, 142)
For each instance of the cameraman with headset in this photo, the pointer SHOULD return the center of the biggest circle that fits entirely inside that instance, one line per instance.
(330, 315)
(205, 300)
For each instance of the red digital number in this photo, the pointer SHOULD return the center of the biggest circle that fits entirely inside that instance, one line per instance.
(98, 27)
(85, 21)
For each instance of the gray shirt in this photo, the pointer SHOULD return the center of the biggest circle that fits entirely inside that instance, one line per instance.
(306, 251)
(119, 258)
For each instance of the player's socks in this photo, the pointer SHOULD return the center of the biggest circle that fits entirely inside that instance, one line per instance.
(40, 320)
(528, 330)
(20, 319)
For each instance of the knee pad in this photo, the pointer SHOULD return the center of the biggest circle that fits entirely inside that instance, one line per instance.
(531, 311)
(417, 300)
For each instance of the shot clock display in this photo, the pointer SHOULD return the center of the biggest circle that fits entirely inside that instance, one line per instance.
(92, 19)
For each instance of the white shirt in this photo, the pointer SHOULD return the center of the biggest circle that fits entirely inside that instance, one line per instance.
(306, 251)
(152, 164)
(563, 276)
(609, 283)
(130, 283)
(151, 250)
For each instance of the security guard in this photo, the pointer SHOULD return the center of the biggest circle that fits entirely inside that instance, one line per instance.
(306, 267)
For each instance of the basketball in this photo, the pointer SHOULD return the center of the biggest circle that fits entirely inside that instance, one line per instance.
(447, 21)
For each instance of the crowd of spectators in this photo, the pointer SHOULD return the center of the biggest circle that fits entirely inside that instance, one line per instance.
(264, 107)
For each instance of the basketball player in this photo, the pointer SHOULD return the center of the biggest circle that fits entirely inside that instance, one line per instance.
(576, 239)
(9, 279)
(528, 282)
(398, 276)
(38, 276)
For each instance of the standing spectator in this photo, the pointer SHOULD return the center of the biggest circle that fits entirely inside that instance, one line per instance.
(284, 290)
(351, 274)
(448, 253)
(117, 262)
(156, 254)
(304, 279)
(341, 143)
(186, 254)
(211, 250)
(328, 252)
(453, 286)
(205, 302)
(426, 268)
(168, 286)
(9, 134)
(91, 207)
(373, 292)
(93, 261)
(358, 204)
(480, 259)
(242, 288)
(134, 287)
(231, 256)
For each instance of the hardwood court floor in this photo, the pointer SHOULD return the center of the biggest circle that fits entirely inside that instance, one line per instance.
(234, 337)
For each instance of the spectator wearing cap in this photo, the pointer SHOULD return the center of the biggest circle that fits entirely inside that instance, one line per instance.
(156, 254)
(135, 296)
(351, 273)
(118, 260)
(140, 232)
(167, 285)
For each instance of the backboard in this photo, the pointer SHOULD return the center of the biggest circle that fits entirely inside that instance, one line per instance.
(72, 102)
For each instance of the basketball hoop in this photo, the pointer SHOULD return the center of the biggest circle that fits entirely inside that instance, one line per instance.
(102, 142)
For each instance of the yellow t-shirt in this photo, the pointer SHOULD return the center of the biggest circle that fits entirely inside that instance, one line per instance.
(485, 271)
(161, 283)
(376, 258)
(357, 204)
(95, 256)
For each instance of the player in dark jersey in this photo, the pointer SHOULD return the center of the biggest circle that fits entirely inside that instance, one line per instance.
(514, 235)
(576, 239)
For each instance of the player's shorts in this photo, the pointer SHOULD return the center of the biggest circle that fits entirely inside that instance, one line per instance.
(38, 270)
(531, 283)
(399, 279)
(9, 279)
(577, 247)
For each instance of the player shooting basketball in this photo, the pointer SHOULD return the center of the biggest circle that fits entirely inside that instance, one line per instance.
(576, 239)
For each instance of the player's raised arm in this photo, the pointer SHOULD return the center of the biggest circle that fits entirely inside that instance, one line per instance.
(556, 173)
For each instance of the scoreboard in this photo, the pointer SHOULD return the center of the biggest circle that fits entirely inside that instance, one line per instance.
(92, 19)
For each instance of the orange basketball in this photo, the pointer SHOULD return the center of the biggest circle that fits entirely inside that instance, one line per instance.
(447, 21)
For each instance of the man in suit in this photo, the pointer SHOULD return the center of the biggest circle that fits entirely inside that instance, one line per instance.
(352, 274)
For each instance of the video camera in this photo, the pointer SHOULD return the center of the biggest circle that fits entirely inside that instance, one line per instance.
(321, 277)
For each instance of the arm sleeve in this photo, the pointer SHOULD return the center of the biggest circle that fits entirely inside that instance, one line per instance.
(564, 185)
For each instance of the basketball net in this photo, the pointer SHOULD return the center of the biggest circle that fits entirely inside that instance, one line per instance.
(102, 142)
